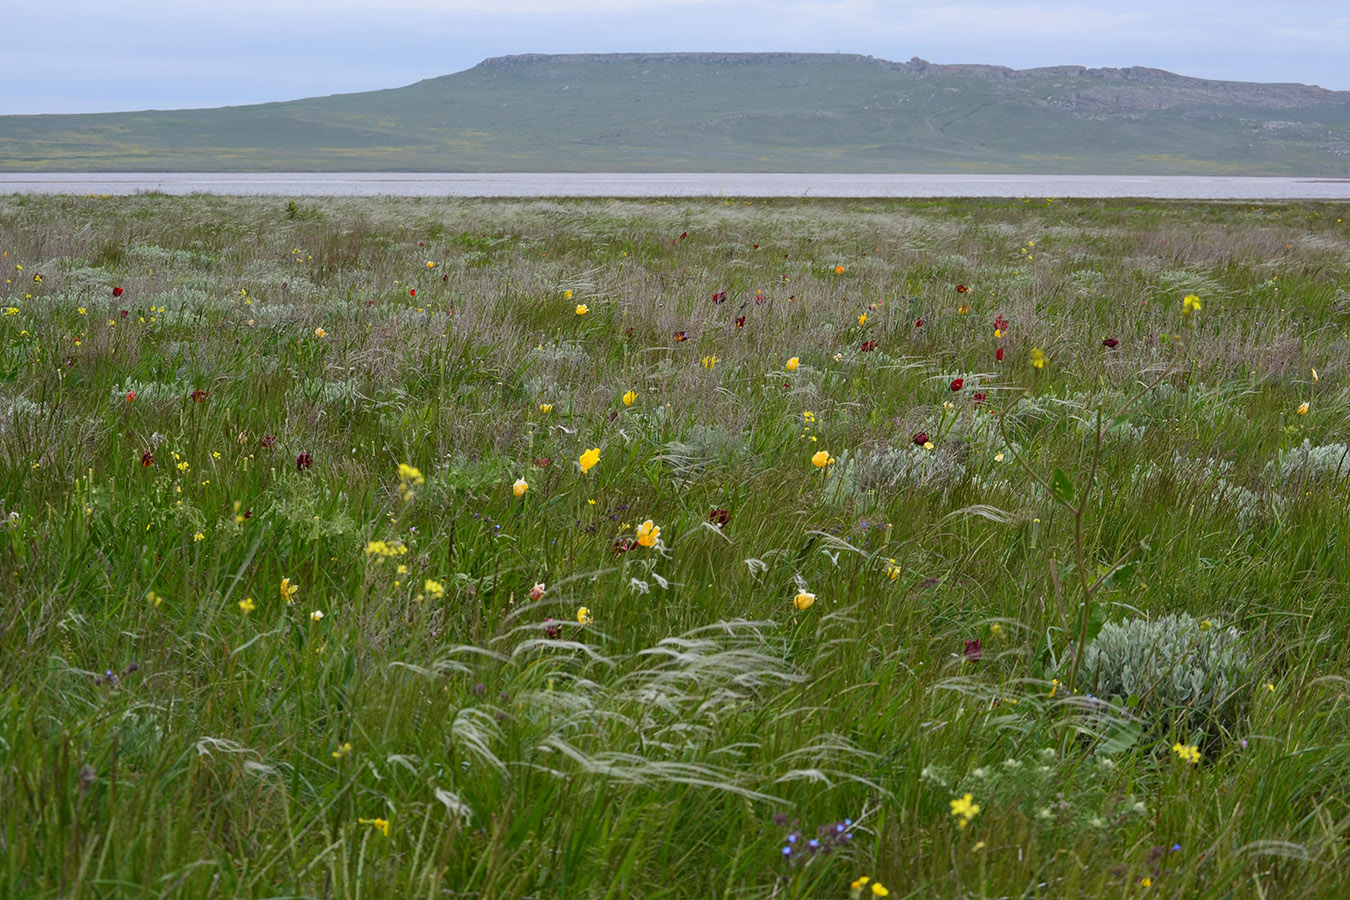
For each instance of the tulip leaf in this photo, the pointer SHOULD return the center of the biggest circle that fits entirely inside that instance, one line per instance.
(1121, 736)
(1061, 486)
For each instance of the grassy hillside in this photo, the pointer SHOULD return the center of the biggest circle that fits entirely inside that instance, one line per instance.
(729, 112)
(278, 483)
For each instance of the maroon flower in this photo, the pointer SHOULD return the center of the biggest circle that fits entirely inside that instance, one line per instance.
(412, 292)
(973, 650)
(755, 247)
(958, 383)
(628, 332)
(719, 517)
(998, 354)
(1110, 343)
(198, 395)
(623, 545)
(979, 396)
(683, 235)
(719, 296)
(147, 459)
(1000, 323)
(920, 439)
(303, 462)
(961, 288)
(761, 298)
(918, 323)
(124, 313)
(552, 628)
(268, 442)
(117, 292)
(680, 336)
(868, 346)
(542, 461)
(740, 321)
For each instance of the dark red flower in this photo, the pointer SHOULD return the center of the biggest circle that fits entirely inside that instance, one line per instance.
(918, 323)
(979, 396)
(755, 247)
(973, 650)
(1000, 323)
(370, 303)
(680, 336)
(760, 299)
(268, 442)
(958, 383)
(628, 332)
(248, 513)
(961, 288)
(868, 346)
(147, 459)
(920, 439)
(683, 235)
(124, 313)
(198, 395)
(719, 296)
(117, 292)
(998, 354)
(542, 461)
(412, 292)
(719, 517)
(420, 244)
(552, 628)
(623, 545)
(303, 461)
(740, 321)
(1110, 343)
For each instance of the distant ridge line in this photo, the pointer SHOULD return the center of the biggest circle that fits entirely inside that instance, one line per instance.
(916, 65)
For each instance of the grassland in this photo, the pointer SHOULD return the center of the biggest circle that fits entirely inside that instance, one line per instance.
(709, 112)
(195, 469)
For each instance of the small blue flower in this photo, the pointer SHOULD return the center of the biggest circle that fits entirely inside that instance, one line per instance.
(787, 851)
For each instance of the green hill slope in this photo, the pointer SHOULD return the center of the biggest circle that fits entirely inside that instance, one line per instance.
(729, 112)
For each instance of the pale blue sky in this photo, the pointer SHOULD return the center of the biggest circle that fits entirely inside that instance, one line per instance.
(92, 55)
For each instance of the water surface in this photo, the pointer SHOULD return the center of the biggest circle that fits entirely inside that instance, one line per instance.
(528, 184)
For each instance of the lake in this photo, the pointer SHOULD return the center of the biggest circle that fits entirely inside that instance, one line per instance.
(529, 184)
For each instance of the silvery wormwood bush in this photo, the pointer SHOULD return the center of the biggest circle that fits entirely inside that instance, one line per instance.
(1175, 666)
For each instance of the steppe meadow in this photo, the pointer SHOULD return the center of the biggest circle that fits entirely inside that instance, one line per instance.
(699, 548)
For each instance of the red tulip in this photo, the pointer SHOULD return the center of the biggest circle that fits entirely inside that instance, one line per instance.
(973, 650)
(961, 288)
(920, 439)
(117, 292)
(147, 459)
(918, 323)
(958, 383)
(868, 346)
(1110, 343)
(998, 354)
(412, 292)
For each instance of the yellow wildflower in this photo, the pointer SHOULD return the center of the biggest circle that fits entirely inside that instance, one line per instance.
(320, 333)
(434, 589)
(862, 319)
(965, 809)
(582, 309)
(1303, 408)
(647, 533)
(546, 408)
(821, 458)
(342, 750)
(803, 600)
(588, 460)
(1189, 304)
(709, 362)
(792, 364)
(584, 616)
(839, 270)
(288, 590)
(1188, 752)
(567, 295)
(247, 605)
(519, 488)
(380, 825)
(630, 398)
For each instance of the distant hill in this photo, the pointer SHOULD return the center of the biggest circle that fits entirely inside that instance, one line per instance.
(734, 112)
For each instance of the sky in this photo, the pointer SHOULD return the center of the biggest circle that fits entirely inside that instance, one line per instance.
(96, 56)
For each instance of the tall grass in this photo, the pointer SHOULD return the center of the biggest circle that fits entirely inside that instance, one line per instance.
(173, 725)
